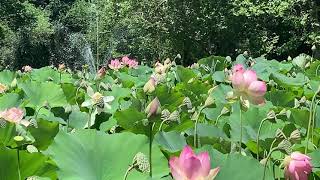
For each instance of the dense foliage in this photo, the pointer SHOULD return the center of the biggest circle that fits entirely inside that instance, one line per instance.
(257, 120)
(45, 32)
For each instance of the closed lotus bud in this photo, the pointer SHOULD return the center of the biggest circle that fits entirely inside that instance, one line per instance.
(246, 53)
(285, 145)
(61, 67)
(289, 58)
(314, 48)
(14, 83)
(178, 56)
(263, 161)
(141, 162)
(153, 108)
(150, 86)
(209, 101)
(228, 59)
(295, 135)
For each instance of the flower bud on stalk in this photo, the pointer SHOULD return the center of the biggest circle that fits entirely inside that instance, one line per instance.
(153, 108)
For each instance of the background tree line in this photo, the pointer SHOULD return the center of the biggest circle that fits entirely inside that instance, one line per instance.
(44, 32)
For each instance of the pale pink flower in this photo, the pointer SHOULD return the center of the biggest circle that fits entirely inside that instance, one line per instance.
(297, 166)
(115, 64)
(247, 85)
(190, 166)
(27, 68)
(125, 60)
(133, 63)
(153, 108)
(150, 86)
(61, 67)
(14, 115)
(3, 88)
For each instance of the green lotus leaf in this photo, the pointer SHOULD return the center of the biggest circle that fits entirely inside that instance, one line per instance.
(94, 155)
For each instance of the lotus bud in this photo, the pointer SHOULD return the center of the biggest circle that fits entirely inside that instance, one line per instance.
(228, 59)
(289, 58)
(61, 67)
(178, 56)
(295, 135)
(141, 162)
(101, 73)
(150, 86)
(288, 114)
(263, 161)
(209, 101)
(153, 108)
(296, 103)
(314, 48)
(285, 145)
(14, 83)
(245, 53)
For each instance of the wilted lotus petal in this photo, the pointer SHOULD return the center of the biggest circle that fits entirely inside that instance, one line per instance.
(3, 88)
(190, 166)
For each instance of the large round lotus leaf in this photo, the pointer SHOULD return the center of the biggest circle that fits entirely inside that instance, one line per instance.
(6, 77)
(39, 93)
(31, 164)
(236, 166)
(9, 100)
(48, 74)
(94, 155)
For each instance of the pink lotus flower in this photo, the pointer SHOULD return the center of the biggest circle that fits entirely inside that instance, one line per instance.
(297, 166)
(115, 64)
(190, 166)
(247, 85)
(3, 88)
(61, 67)
(27, 68)
(125, 60)
(14, 115)
(133, 63)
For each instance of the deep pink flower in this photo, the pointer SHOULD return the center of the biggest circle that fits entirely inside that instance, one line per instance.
(247, 85)
(297, 166)
(115, 64)
(190, 166)
(14, 115)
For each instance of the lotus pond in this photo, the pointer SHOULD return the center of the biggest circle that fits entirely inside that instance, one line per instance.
(221, 118)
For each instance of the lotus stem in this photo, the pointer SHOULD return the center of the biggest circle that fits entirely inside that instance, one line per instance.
(150, 147)
(18, 158)
(128, 171)
(258, 135)
(266, 163)
(241, 129)
(195, 133)
(160, 128)
(311, 121)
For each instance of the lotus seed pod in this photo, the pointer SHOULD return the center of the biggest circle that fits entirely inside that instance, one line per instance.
(280, 134)
(165, 114)
(3, 123)
(295, 135)
(303, 99)
(228, 59)
(283, 111)
(285, 145)
(187, 102)
(34, 123)
(175, 116)
(224, 110)
(142, 162)
(271, 115)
